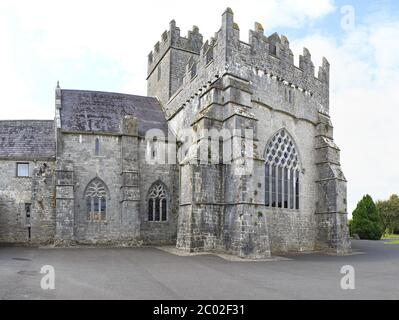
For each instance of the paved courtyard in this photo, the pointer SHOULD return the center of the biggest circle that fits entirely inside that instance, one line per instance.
(150, 273)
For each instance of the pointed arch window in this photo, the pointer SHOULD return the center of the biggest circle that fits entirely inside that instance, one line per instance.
(157, 203)
(282, 172)
(96, 200)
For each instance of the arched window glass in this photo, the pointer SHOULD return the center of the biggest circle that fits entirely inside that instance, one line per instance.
(267, 185)
(150, 209)
(274, 185)
(96, 200)
(280, 187)
(157, 203)
(164, 216)
(286, 191)
(282, 172)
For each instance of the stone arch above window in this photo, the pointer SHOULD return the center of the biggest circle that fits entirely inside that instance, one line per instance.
(96, 195)
(282, 172)
(157, 202)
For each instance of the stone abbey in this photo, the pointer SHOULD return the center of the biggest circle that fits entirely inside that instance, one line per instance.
(84, 177)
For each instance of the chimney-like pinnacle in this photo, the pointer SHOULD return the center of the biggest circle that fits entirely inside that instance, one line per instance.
(306, 52)
(172, 23)
(228, 10)
(325, 62)
(258, 27)
(58, 96)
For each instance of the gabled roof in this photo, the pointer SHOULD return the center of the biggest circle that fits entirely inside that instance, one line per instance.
(27, 139)
(95, 111)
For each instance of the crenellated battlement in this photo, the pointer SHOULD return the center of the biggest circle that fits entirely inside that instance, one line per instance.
(273, 56)
(261, 47)
(273, 45)
(274, 48)
(268, 56)
(192, 43)
(197, 64)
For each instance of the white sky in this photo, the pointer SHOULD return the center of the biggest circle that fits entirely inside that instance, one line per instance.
(103, 45)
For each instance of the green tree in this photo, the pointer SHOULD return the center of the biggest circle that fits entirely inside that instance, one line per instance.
(366, 220)
(389, 213)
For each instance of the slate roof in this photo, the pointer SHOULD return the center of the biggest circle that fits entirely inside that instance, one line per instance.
(27, 139)
(96, 111)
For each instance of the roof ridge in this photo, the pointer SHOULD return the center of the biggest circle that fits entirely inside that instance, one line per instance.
(109, 92)
(26, 120)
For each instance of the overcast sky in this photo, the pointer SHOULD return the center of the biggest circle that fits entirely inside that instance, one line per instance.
(103, 45)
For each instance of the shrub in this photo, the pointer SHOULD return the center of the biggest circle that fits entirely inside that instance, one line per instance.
(366, 220)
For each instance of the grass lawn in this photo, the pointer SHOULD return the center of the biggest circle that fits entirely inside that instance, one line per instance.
(390, 236)
(392, 242)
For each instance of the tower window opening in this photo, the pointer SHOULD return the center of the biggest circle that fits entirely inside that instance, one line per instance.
(159, 73)
(273, 49)
(97, 147)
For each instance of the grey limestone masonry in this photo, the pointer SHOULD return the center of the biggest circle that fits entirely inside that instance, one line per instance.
(27, 200)
(96, 177)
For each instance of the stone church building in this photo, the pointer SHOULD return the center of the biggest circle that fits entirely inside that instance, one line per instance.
(92, 175)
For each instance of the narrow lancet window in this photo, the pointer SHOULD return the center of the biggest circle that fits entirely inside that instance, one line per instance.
(97, 147)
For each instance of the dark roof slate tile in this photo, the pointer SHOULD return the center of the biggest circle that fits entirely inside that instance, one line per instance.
(27, 139)
(96, 111)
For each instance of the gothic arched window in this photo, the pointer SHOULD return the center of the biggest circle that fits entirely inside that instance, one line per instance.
(96, 200)
(282, 172)
(157, 203)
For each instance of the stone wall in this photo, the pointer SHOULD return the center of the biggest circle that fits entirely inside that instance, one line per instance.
(122, 166)
(168, 174)
(252, 85)
(291, 230)
(223, 83)
(38, 190)
(79, 150)
(167, 62)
